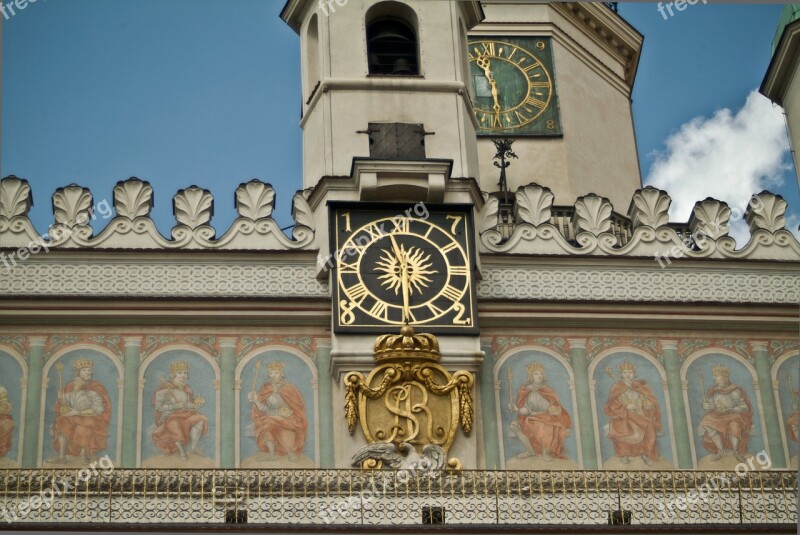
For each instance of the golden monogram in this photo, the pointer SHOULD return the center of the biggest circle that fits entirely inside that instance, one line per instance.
(409, 398)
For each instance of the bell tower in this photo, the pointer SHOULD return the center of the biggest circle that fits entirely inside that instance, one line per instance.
(385, 96)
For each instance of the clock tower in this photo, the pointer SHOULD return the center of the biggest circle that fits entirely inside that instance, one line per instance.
(391, 170)
(557, 78)
(385, 82)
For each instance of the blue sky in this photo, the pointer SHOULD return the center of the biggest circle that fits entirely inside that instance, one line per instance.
(182, 92)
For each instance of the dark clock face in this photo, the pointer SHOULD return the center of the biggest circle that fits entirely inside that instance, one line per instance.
(513, 86)
(393, 266)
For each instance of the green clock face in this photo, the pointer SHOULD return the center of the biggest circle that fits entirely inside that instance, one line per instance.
(513, 86)
(393, 267)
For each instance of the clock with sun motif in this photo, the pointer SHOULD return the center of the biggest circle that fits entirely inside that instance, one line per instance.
(514, 86)
(393, 266)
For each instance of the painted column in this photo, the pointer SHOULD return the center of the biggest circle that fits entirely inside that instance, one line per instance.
(130, 401)
(227, 363)
(677, 405)
(326, 454)
(580, 367)
(771, 419)
(33, 402)
(491, 445)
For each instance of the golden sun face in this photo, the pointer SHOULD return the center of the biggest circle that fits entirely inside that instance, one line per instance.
(418, 263)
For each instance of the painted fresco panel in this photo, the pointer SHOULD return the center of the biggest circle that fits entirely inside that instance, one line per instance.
(632, 414)
(277, 413)
(81, 410)
(179, 407)
(10, 410)
(537, 413)
(725, 415)
(789, 400)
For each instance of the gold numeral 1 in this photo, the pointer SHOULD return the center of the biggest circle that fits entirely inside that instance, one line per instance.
(346, 217)
(458, 271)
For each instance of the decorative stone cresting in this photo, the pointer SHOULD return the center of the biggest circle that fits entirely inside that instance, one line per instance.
(534, 205)
(592, 214)
(16, 200)
(649, 208)
(255, 200)
(710, 219)
(651, 234)
(487, 221)
(132, 227)
(766, 212)
(133, 198)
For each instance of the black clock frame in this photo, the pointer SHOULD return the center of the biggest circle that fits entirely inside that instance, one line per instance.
(383, 210)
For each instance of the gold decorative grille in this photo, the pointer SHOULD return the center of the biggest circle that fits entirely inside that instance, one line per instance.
(380, 498)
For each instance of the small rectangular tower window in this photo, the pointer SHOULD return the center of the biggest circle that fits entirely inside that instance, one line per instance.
(396, 141)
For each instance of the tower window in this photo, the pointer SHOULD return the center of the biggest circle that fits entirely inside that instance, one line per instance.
(392, 47)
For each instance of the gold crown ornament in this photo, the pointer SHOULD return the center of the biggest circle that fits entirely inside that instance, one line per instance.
(276, 366)
(627, 365)
(719, 369)
(406, 345)
(178, 366)
(535, 367)
(83, 363)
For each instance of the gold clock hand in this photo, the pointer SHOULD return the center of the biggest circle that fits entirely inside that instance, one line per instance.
(406, 296)
(404, 280)
(396, 249)
(496, 96)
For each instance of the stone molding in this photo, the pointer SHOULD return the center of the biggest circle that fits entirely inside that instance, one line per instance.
(581, 281)
(699, 284)
(179, 278)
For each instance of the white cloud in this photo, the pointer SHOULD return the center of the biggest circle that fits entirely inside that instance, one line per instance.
(728, 157)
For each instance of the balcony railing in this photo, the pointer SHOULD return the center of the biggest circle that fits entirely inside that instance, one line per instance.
(67, 498)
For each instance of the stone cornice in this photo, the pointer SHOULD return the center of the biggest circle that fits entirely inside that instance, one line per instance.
(783, 65)
(505, 278)
(542, 279)
(609, 30)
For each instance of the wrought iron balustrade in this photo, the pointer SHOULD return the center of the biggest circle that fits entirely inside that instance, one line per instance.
(383, 498)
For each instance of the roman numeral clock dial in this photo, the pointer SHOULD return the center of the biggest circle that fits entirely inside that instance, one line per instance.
(514, 88)
(394, 266)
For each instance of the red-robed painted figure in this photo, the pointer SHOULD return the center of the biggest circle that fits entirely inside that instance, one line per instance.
(793, 421)
(6, 423)
(729, 417)
(542, 424)
(180, 426)
(634, 417)
(279, 415)
(83, 414)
